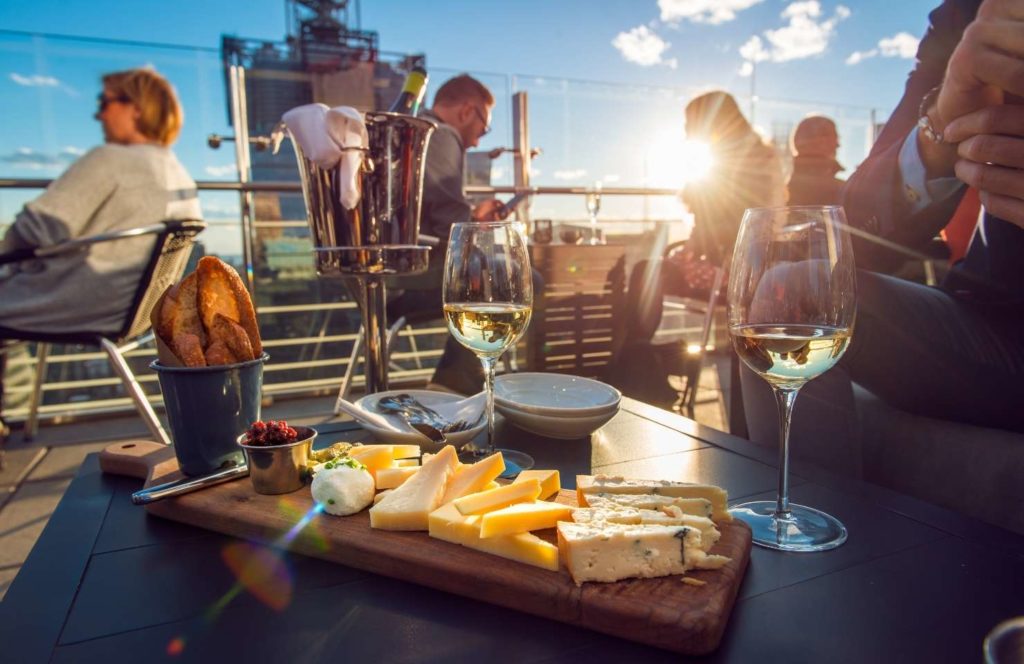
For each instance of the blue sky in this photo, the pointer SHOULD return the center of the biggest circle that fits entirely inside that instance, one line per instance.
(842, 58)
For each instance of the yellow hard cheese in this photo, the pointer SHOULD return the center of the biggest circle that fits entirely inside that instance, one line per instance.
(374, 457)
(472, 477)
(605, 485)
(448, 524)
(390, 478)
(523, 518)
(550, 483)
(407, 507)
(495, 499)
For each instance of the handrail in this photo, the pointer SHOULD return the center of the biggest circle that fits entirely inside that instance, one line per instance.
(218, 185)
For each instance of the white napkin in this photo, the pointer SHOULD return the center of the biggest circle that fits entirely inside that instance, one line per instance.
(308, 127)
(347, 129)
(366, 417)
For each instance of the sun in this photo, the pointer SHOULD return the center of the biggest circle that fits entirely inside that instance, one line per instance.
(675, 162)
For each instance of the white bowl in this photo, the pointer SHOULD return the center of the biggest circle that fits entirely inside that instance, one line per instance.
(556, 395)
(565, 428)
(443, 402)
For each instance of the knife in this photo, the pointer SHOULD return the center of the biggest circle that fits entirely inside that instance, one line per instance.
(188, 484)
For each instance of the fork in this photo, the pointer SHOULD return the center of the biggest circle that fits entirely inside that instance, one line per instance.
(415, 412)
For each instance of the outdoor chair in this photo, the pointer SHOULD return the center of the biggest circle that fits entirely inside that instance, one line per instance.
(167, 262)
(654, 290)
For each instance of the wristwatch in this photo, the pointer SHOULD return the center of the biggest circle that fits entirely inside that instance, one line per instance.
(924, 123)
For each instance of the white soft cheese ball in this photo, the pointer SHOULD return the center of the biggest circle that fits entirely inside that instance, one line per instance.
(343, 490)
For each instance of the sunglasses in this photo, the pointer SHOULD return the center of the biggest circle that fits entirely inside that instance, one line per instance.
(483, 120)
(103, 101)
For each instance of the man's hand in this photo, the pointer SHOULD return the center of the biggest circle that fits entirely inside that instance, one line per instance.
(988, 61)
(991, 157)
(490, 210)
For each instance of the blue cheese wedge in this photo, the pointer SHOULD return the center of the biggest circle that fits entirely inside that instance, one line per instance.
(667, 516)
(609, 485)
(695, 506)
(609, 552)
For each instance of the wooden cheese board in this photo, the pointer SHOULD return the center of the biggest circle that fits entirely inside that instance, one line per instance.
(663, 612)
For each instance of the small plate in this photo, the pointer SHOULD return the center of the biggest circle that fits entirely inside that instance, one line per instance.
(563, 428)
(451, 406)
(556, 395)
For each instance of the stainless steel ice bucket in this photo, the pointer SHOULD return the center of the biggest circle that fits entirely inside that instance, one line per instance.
(379, 235)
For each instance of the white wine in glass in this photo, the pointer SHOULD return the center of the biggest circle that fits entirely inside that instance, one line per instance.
(488, 301)
(792, 305)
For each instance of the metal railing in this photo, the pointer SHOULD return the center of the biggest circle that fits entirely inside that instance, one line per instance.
(416, 364)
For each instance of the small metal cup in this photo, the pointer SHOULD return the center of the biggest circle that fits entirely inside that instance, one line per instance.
(276, 469)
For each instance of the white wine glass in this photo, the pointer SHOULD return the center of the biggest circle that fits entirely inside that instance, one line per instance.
(593, 202)
(488, 301)
(792, 305)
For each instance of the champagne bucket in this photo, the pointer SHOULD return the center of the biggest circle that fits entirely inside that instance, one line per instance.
(379, 235)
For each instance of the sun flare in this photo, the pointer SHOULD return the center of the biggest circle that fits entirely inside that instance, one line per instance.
(676, 163)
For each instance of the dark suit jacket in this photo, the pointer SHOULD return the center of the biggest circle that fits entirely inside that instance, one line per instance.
(994, 266)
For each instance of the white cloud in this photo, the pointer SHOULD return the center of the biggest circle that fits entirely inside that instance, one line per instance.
(746, 69)
(574, 174)
(806, 34)
(221, 171)
(35, 81)
(703, 11)
(27, 158)
(900, 45)
(858, 56)
(642, 47)
(610, 178)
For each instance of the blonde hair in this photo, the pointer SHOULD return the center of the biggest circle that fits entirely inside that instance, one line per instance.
(462, 88)
(160, 114)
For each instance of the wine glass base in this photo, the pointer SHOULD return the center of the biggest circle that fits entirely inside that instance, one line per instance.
(515, 461)
(805, 530)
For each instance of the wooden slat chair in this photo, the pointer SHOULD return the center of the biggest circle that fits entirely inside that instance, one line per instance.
(167, 262)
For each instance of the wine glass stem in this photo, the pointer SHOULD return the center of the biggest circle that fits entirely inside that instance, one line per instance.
(785, 397)
(489, 363)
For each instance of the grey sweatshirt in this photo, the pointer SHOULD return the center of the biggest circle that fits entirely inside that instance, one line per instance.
(110, 188)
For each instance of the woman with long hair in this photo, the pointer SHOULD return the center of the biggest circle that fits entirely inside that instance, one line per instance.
(745, 173)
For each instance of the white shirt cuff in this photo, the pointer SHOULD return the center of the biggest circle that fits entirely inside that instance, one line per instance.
(919, 191)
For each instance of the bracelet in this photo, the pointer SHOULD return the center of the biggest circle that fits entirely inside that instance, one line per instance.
(924, 122)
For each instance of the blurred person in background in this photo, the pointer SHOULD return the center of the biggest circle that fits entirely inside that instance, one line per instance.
(813, 182)
(462, 110)
(133, 180)
(745, 173)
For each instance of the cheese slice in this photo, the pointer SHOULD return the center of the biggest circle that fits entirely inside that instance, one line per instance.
(490, 485)
(605, 485)
(495, 499)
(522, 518)
(472, 477)
(670, 516)
(612, 552)
(400, 451)
(407, 507)
(610, 501)
(549, 481)
(373, 457)
(448, 524)
(390, 478)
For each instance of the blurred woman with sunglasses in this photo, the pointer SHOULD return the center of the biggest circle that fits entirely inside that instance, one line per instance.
(132, 180)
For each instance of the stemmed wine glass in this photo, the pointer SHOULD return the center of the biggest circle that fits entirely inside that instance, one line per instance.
(488, 301)
(593, 201)
(792, 304)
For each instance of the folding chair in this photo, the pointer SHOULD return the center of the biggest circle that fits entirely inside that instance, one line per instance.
(171, 251)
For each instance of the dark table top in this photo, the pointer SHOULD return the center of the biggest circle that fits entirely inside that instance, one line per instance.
(107, 583)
